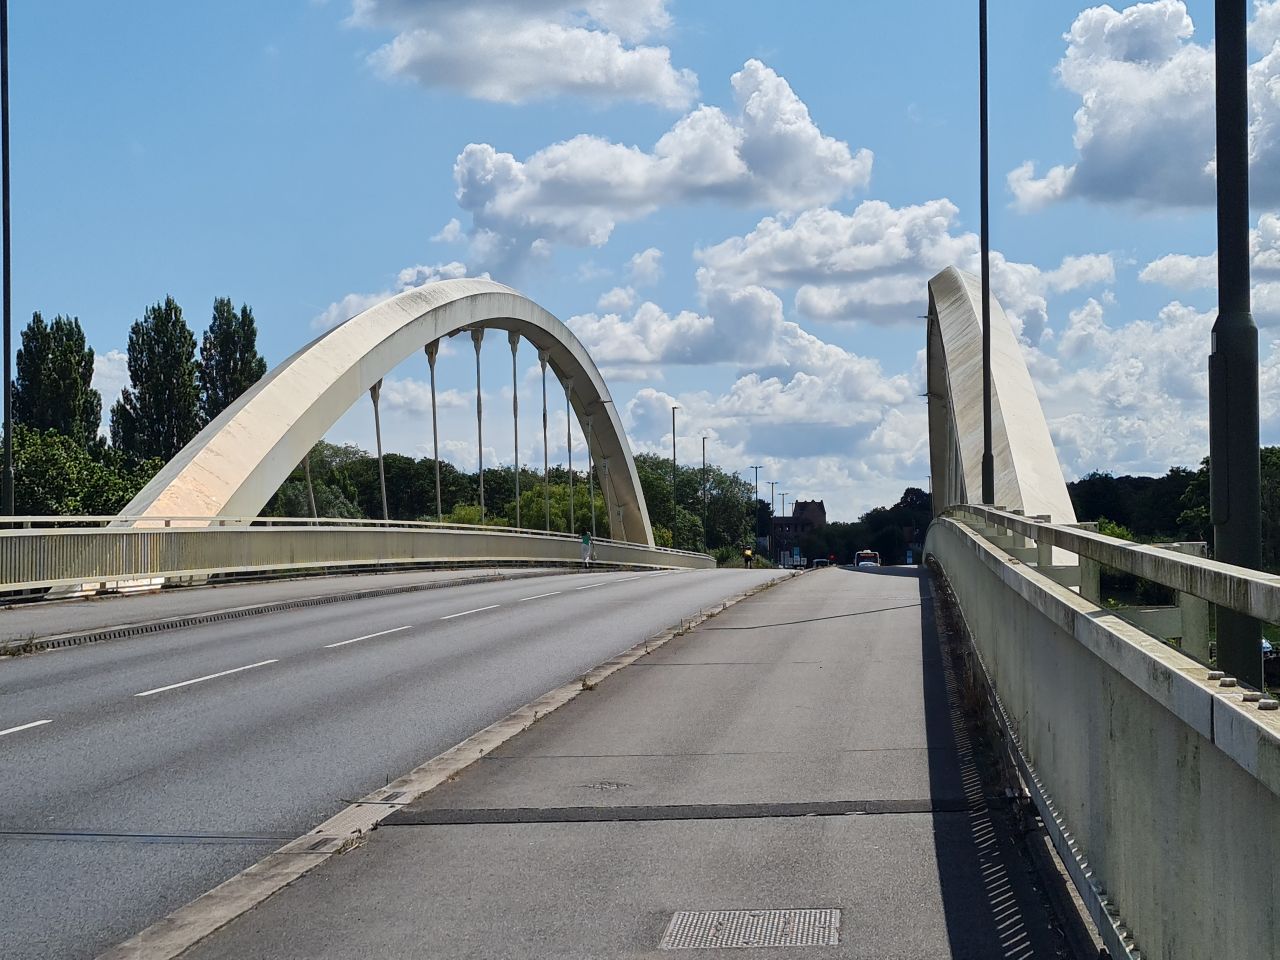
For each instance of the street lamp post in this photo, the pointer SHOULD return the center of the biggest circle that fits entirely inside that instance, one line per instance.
(988, 461)
(704, 492)
(8, 273)
(1234, 482)
(675, 509)
(755, 505)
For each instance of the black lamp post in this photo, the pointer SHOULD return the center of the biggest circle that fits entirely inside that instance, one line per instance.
(8, 287)
(1234, 481)
(988, 462)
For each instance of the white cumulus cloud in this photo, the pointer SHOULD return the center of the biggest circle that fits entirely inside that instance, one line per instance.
(514, 51)
(1144, 131)
(769, 152)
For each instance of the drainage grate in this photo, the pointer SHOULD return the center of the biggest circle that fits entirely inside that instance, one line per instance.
(752, 928)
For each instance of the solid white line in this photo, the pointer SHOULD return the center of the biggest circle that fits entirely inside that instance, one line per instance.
(476, 610)
(553, 593)
(367, 636)
(212, 676)
(599, 583)
(25, 726)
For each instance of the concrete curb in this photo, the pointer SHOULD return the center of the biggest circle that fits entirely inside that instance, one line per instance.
(10, 648)
(168, 938)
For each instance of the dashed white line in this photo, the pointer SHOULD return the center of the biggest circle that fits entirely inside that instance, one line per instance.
(476, 610)
(625, 579)
(553, 593)
(212, 676)
(599, 583)
(25, 726)
(367, 636)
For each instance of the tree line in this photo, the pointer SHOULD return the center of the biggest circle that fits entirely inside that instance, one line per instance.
(62, 464)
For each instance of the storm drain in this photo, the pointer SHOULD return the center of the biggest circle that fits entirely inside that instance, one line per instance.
(691, 929)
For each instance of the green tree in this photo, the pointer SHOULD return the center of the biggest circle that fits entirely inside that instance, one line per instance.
(57, 476)
(229, 360)
(160, 409)
(53, 386)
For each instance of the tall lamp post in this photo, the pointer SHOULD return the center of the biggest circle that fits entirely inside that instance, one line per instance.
(988, 462)
(755, 506)
(704, 492)
(674, 507)
(1234, 483)
(8, 275)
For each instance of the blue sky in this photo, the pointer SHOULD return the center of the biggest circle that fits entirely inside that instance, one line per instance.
(734, 205)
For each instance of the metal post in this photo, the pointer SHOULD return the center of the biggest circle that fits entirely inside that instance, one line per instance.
(591, 478)
(1234, 482)
(988, 461)
(311, 493)
(513, 338)
(568, 433)
(8, 272)
(675, 506)
(433, 348)
(477, 335)
(773, 485)
(546, 454)
(784, 504)
(374, 393)
(704, 492)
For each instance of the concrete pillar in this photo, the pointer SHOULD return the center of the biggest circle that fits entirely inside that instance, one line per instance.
(546, 454)
(432, 349)
(1090, 588)
(477, 336)
(513, 338)
(1195, 611)
(374, 393)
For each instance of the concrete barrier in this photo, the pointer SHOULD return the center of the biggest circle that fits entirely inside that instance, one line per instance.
(1161, 786)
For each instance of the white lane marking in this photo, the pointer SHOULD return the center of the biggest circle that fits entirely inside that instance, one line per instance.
(25, 726)
(476, 610)
(367, 636)
(599, 583)
(625, 579)
(212, 676)
(664, 573)
(553, 593)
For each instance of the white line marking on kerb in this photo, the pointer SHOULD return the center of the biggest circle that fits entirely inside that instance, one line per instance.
(367, 636)
(25, 726)
(212, 676)
(553, 593)
(476, 610)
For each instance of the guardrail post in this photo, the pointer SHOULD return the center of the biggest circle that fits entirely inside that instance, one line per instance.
(1090, 570)
(1195, 612)
(1044, 552)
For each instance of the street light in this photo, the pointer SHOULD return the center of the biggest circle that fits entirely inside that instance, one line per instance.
(755, 505)
(675, 510)
(704, 492)
(1234, 483)
(988, 461)
(8, 277)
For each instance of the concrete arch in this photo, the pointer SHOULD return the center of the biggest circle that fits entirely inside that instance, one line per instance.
(235, 464)
(1028, 475)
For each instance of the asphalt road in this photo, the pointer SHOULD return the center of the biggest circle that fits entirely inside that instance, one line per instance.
(136, 774)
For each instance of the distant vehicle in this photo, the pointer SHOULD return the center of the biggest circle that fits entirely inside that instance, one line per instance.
(819, 562)
(866, 558)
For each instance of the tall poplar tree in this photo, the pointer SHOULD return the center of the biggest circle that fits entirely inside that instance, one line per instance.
(53, 386)
(229, 360)
(160, 409)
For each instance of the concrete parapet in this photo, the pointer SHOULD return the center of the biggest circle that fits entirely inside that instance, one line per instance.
(1167, 781)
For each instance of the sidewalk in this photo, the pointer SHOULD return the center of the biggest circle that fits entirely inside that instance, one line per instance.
(800, 751)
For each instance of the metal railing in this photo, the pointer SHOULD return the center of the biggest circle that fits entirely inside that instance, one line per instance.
(88, 553)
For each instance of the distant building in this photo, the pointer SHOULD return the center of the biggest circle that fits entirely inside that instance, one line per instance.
(806, 515)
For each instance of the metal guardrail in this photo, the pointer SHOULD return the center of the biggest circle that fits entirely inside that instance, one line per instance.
(35, 557)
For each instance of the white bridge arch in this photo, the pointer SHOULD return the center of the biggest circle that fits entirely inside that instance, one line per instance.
(235, 464)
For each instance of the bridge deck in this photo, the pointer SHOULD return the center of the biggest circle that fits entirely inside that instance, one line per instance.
(814, 729)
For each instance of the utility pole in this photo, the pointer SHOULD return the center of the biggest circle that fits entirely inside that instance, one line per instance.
(755, 505)
(773, 485)
(8, 271)
(704, 492)
(988, 461)
(1234, 483)
(675, 509)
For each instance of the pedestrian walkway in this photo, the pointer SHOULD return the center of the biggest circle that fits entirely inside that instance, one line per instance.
(804, 751)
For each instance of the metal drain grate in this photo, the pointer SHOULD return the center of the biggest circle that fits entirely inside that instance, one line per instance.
(690, 929)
